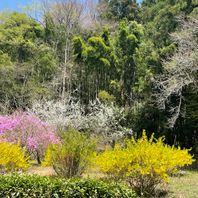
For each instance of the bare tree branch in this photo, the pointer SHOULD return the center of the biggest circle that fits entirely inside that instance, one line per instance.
(180, 71)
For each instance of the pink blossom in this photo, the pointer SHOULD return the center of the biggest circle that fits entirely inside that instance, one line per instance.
(33, 133)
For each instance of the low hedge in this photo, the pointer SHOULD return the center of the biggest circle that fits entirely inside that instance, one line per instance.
(14, 186)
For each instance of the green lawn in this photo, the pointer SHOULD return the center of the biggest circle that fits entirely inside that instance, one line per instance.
(185, 186)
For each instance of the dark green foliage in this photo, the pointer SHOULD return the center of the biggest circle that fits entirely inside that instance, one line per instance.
(34, 186)
(146, 116)
(119, 9)
(161, 18)
(127, 45)
(96, 67)
(108, 62)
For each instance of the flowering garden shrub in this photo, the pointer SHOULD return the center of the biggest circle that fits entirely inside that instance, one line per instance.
(33, 134)
(72, 156)
(97, 118)
(144, 163)
(12, 158)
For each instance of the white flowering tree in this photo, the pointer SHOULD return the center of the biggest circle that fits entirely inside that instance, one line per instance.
(98, 118)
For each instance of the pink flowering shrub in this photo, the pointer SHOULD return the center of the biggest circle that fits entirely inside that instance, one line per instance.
(33, 134)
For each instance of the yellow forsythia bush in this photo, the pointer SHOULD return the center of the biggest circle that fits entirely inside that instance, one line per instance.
(144, 163)
(12, 158)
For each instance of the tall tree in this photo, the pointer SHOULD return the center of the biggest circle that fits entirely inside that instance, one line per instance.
(119, 9)
(110, 60)
(160, 18)
(127, 44)
(180, 77)
(28, 62)
(96, 64)
(62, 20)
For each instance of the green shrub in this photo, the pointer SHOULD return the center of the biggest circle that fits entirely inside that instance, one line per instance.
(72, 156)
(104, 96)
(15, 186)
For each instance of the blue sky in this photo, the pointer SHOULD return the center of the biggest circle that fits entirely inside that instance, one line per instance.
(13, 4)
(16, 4)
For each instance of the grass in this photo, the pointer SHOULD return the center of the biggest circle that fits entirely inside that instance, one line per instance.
(41, 171)
(37, 169)
(184, 186)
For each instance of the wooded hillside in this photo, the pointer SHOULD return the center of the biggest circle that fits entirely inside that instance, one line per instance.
(138, 58)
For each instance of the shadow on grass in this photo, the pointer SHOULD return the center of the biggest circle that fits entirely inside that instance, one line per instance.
(161, 193)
